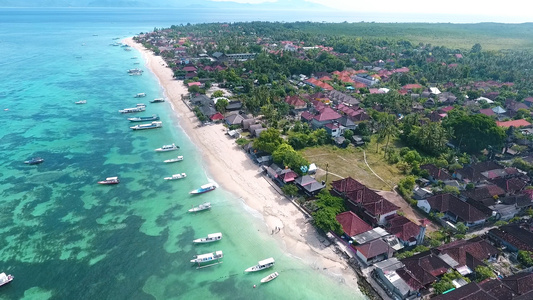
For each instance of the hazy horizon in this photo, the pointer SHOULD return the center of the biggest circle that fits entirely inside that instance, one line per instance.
(389, 11)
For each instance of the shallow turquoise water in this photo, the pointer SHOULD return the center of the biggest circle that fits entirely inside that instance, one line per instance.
(65, 237)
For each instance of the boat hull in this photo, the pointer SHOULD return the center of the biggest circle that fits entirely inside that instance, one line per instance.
(270, 277)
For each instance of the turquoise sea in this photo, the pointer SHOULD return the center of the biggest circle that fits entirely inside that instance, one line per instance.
(65, 237)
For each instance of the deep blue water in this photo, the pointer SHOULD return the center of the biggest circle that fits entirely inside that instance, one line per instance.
(65, 237)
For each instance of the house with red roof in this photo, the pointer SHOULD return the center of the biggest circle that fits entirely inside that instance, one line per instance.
(296, 102)
(364, 201)
(454, 209)
(528, 101)
(405, 230)
(514, 123)
(487, 112)
(217, 117)
(374, 251)
(351, 224)
(410, 87)
(325, 116)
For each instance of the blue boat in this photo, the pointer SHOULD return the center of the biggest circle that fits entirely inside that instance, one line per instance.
(204, 189)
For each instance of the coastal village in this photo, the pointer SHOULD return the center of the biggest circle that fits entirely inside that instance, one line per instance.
(443, 208)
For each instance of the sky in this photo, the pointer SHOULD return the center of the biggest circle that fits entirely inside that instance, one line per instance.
(510, 8)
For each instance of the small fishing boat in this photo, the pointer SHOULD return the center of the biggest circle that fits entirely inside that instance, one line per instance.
(135, 70)
(140, 95)
(157, 100)
(143, 119)
(270, 277)
(5, 279)
(109, 180)
(176, 176)
(204, 189)
(212, 237)
(140, 107)
(261, 265)
(165, 148)
(81, 102)
(210, 259)
(34, 161)
(153, 125)
(204, 206)
(179, 158)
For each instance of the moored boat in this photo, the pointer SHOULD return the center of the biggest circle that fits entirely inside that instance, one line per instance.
(270, 277)
(142, 119)
(212, 237)
(81, 102)
(261, 265)
(5, 278)
(176, 176)
(34, 161)
(208, 257)
(110, 180)
(153, 125)
(156, 100)
(203, 206)
(179, 158)
(165, 148)
(204, 189)
(140, 107)
(135, 71)
(140, 95)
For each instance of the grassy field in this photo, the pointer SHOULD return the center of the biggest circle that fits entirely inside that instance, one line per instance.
(350, 162)
(491, 36)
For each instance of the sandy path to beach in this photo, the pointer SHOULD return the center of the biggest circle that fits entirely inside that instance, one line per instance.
(235, 172)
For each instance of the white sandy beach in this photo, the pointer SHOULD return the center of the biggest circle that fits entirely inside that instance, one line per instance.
(239, 175)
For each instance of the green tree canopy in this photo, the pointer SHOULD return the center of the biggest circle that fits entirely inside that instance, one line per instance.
(221, 105)
(325, 220)
(474, 133)
(269, 140)
(285, 155)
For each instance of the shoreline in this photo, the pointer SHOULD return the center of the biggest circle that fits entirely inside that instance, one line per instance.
(237, 174)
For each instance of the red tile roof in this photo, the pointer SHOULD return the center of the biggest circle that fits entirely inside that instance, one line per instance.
(412, 86)
(487, 112)
(448, 202)
(327, 114)
(294, 101)
(373, 248)
(514, 123)
(469, 253)
(403, 228)
(216, 117)
(351, 224)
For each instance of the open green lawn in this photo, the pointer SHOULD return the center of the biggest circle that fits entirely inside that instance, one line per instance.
(350, 162)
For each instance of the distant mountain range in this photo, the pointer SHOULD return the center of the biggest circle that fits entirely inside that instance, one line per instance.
(280, 4)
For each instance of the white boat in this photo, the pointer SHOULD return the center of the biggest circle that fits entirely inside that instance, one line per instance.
(212, 237)
(135, 71)
(270, 277)
(208, 257)
(204, 188)
(140, 95)
(261, 265)
(155, 124)
(81, 102)
(140, 107)
(156, 100)
(165, 148)
(5, 279)
(179, 158)
(176, 176)
(203, 206)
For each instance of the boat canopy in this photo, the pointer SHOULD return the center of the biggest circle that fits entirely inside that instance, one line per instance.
(208, 185)
(214, 235)
(266, 261)
(111, 178)
(3, 278)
